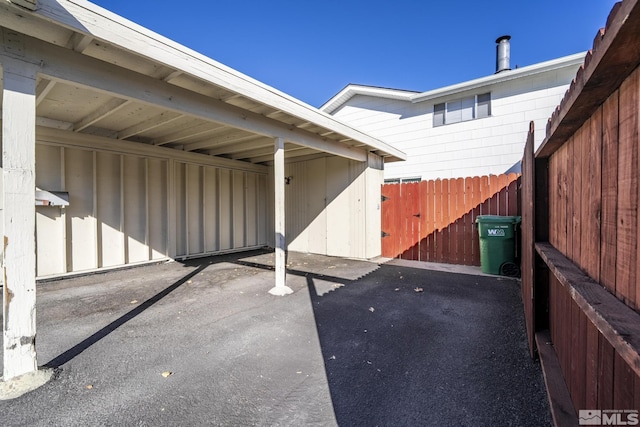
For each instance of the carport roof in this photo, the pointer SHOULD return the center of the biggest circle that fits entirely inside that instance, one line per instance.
(129, 83)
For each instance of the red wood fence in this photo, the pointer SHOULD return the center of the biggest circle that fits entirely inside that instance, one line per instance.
(435, 220)
(580, 233)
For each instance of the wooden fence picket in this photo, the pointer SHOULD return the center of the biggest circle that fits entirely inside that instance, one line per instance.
(435, 220)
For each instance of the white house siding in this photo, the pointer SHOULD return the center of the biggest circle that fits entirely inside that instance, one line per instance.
(333, 206)
(485, 146)
(130, 207)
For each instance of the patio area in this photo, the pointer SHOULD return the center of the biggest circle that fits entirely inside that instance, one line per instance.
(357, 343)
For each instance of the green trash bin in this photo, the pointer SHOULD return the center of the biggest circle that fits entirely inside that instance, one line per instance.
(497, 244)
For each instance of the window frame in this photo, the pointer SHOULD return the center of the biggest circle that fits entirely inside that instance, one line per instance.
(412, 179)
(457, 110)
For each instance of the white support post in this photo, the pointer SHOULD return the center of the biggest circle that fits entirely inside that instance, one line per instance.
(280, 288)
(18, 222)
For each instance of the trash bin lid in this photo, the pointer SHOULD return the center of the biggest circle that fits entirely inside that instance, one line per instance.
(498, 219)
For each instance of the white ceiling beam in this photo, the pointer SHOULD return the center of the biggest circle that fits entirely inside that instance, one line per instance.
(243, 147)
(255, 151)
(42, 90)
(302, 151)
(172, 76)
(65, 65)
(290, 152)
(187, 132)
(233, 147)
(55, 124)
(79, 42)
(103, 111)
(214, 145)
(149, 124)
(306, 158)
(223, 140)
(274, 113)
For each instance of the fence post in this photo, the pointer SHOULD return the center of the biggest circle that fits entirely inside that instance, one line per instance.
(528, 210)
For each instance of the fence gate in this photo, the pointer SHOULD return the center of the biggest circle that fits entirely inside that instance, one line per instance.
(435, 220)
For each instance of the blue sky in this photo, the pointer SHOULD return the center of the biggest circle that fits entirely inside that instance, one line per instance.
(312, 49)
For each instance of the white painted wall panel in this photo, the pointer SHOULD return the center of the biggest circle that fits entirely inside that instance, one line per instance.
(81, 222)
(317, 229)
(373, 218)
(181, 209)
(296, 206)
(123, 208)
(211, 209)
(51, 252)
(135, 211)
(226, 211)
(109, 187)
(50, 221)
(218, 209)
(357, 209)
(238, 213)
(157, 203)
(251, 210)
(194, 218)
(107, 223)
(262, 209)
(332, 207)
(338, 220)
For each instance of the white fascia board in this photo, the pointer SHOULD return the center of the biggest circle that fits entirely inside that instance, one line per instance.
(504, 76)
(92, 20)
(352, 90)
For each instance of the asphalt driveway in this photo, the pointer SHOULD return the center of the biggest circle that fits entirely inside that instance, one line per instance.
(203, 343)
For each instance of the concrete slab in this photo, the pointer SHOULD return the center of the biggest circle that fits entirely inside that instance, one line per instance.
(357, 343)
(435, 266)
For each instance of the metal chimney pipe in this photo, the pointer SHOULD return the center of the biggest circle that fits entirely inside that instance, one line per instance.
(503, 54)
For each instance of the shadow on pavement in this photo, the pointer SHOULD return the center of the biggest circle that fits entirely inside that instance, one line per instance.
(399, 346)
(77, 349)
(412, 347)
(406, 346)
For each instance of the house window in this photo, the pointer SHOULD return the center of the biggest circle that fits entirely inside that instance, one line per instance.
(484, 106)
(438, 115)
(462, 110)
(402, 180)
